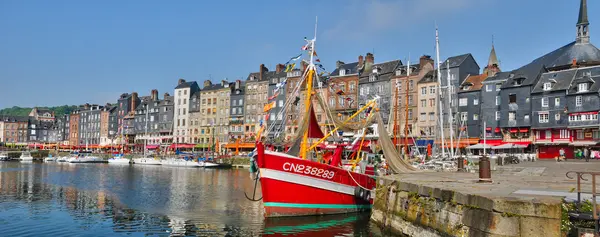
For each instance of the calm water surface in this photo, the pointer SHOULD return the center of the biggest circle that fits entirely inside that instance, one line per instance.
(62, 199)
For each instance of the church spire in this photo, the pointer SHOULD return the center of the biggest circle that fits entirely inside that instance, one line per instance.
(583, 34)
(493, 66)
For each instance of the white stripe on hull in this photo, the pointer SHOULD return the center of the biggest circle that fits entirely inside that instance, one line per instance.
(306, 181)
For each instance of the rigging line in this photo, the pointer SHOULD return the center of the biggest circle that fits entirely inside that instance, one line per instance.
(288, 102)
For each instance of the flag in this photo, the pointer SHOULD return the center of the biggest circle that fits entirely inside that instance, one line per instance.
(269, 106)
(267, 116)
(340, 92)
(318, 60)
(275, 95)
(296, 58)
(348, 98)
(305, 47)
(290, 67)
(315, 53)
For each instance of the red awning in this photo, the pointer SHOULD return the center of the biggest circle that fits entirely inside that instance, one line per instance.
(493, 142)
(524, 130)
(497, 130)
(151, 147)
(521, 143)
(181, 145)
(488, 129)
(513, 130)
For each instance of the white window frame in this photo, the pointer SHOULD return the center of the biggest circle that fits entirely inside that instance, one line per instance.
(424, 90)
(545, 102)
(475, 117)
(476, 101)
(578, 101)
(547, 86)
(498, 100)
(497, 115)
(543, 117)
(582, 87)
(488, 88)
(556, 101)
(342, 72)
(463, 102)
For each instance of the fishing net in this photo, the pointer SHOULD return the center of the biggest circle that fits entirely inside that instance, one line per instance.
(347, 127)
(397, 164)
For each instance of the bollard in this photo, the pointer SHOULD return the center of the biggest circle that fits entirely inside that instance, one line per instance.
(485, 173)
(461, 163)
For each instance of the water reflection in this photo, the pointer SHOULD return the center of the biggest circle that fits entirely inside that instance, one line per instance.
(101, 200)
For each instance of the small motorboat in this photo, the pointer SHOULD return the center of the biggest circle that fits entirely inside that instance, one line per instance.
(4, 156)
(26, 157)
(146, 161)
(119, 160)
(62, 159)
(50, 159)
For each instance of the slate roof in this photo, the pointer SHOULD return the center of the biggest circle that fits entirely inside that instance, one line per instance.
(387, 70)
(351, 68)
(213, 87)
(257, 76)
(275, 74)
(456, 61)
(561, 80)
(587, 74)
(41, 111)
(429, 77)
(498, 77)
(9, 118)
(186, 84)
(241, 89)
(474, 81)
(561, 57)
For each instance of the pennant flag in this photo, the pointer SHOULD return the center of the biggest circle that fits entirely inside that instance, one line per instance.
(269, 106)
(340, 92)
(315, 53)
(267, 116)
(296, 100)
(259, 132)
(318, 60)
(273, 96)
(296, 58)
(305, 47)
(348, 98)
(321, 73)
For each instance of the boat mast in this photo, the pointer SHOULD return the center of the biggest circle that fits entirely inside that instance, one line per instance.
(439, 94)
(309, 81)
(146, 131)
(396, 115)
(406, 108)
(450, 119)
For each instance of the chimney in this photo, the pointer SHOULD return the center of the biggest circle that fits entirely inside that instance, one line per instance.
(369, 61)
(280, 68)
(304, 65)
(262, 70)
(86, 106)
(134, 98)
(224, 83)
(180, 81)
(166, 95)
(574, 64)
(338, 64)
(237, 84)
(360, 60)
(207, 83)
(154, 93)
(424, 60)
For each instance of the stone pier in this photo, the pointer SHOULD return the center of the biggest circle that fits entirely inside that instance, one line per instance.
(524, 200)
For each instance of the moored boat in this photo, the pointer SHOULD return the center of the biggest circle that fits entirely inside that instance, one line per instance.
(4, 156)
(50, 159)
(62, 159)
(180, 162)
(26, 157)
(85, 157)
(119, 160)
(147, 161)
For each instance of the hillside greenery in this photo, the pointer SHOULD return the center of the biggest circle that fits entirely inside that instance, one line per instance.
(24, 111)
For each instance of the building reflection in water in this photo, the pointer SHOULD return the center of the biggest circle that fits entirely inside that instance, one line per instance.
(100, 200)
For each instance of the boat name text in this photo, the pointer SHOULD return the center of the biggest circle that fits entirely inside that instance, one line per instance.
(305, 169)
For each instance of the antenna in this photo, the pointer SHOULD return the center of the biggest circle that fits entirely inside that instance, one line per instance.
(316, 21)
(492, 39)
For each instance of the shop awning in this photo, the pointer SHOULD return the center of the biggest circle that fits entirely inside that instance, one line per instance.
(152, 147)
(241, 145)
(424, 143)
(513, 130)
(492, 142)
(488, 129)
(522, 143)
(181, 145)
(497, 130)
(583, 143)
(524, 130)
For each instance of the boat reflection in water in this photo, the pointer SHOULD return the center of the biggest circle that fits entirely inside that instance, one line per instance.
(327, 225)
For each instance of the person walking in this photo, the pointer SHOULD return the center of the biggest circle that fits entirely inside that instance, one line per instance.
(586, 154)
(561, 154)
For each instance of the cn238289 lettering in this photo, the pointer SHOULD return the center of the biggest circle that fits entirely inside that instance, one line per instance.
(309, 170)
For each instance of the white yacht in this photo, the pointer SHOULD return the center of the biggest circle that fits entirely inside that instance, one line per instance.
(62, 159)
(119, 160)
(208, 164)
(180, 162)
(26, 157)
(147, 161)
(85, 157)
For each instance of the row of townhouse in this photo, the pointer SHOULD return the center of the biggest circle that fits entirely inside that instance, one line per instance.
(551, 103)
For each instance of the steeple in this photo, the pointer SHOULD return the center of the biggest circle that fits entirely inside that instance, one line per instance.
(583, 34)
(493, 65)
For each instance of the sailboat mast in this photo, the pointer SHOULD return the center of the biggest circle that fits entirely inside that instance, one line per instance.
(396, 115)
(439, 78)
(146, 132)
(406, 108)
(450, 119)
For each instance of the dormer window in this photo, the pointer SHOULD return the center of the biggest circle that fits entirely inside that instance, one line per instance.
(398, 72)
(376, 70)
(547, 86)
(342, 72)
(466, 87)
(518, 81)
(582, 87)
(252, 78)
(372, 78)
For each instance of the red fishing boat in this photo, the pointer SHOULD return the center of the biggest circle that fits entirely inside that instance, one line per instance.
(301, 182)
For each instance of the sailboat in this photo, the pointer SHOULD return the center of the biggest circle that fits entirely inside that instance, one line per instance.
(119, 159)
(296, 184)
(145, 160)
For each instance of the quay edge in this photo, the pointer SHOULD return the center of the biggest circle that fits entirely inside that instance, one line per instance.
(412, 209)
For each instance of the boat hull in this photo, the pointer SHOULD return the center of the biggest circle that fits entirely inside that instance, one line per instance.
(296, 187)
(49, 159)
(180, 163)
(85, 160)
(146, 161)
(120, 161)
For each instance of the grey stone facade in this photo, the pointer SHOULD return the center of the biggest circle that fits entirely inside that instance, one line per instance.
(460, 67)
(236, 115)
(89, 124)
(490, 101)
(377, 83)
(277, 114)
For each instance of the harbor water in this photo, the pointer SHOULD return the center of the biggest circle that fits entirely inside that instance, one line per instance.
(62, 199)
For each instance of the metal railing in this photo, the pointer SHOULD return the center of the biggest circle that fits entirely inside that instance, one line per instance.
(580, 176)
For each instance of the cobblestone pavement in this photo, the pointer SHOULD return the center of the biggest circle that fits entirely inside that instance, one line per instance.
(543, 175)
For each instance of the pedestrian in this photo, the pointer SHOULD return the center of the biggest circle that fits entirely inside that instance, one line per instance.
(561, 154)
(586, 154)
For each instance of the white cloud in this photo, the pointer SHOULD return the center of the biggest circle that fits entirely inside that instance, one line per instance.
(362, 19)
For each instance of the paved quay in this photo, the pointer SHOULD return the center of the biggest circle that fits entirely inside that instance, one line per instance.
(523, 200)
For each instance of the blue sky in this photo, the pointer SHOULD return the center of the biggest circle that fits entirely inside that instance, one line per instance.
(73, 52)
